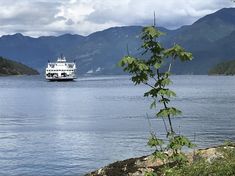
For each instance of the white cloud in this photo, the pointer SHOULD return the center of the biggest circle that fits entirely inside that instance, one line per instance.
(54, 17)
(170, 13)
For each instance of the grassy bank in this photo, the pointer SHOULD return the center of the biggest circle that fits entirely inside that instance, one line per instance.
(214, 161)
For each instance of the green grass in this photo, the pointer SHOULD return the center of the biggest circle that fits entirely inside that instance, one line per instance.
(221, 166)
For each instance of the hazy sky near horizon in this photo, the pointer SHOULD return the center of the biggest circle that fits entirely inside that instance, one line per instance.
(54, 17)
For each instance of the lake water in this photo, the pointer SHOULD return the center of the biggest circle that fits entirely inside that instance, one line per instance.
(71, 128)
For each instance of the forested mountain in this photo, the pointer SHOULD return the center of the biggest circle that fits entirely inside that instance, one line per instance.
(8, 67)
(211, 40)
(224, 68)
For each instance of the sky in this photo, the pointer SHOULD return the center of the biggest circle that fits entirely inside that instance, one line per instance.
(56, 17)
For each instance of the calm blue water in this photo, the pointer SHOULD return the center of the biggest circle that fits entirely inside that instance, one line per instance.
(71, 128)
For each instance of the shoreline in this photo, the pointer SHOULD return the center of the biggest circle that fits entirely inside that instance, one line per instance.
(140, 165)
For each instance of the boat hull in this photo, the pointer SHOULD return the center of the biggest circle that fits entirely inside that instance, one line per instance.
(60, 79)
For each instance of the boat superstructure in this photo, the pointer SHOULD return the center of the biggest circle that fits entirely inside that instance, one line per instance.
(61, 70)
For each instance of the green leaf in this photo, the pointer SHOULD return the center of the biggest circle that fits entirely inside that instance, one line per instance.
(151, 31)
(160, 155)
(151, 173)
(154, 141)
(157, 65)
(140, 78)
(178, 51)
(177, 142)
(152, 92)
(126, 62)
(168, 112)
(143, 67)
(162, 100)
(186, 56)
(165, 81)
(180, 158)
(166, 92)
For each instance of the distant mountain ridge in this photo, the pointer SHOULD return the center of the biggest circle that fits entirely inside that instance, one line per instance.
(210, 39)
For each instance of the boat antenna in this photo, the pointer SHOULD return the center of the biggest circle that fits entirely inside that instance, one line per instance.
(154, 19)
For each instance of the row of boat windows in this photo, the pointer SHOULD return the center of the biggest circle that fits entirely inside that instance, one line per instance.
(53, 65)
(59, 70)
(69, 66)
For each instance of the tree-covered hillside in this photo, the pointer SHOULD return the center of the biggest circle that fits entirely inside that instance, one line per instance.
(8, 67)
(210, 39)
(224, 68)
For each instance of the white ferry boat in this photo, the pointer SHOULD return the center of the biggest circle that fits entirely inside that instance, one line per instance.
(61, 70)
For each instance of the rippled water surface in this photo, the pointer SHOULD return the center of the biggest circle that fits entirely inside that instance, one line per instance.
(71, 128)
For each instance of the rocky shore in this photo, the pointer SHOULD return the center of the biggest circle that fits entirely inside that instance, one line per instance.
(140, 165)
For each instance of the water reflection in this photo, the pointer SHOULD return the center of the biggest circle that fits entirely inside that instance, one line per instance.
(67, 128)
